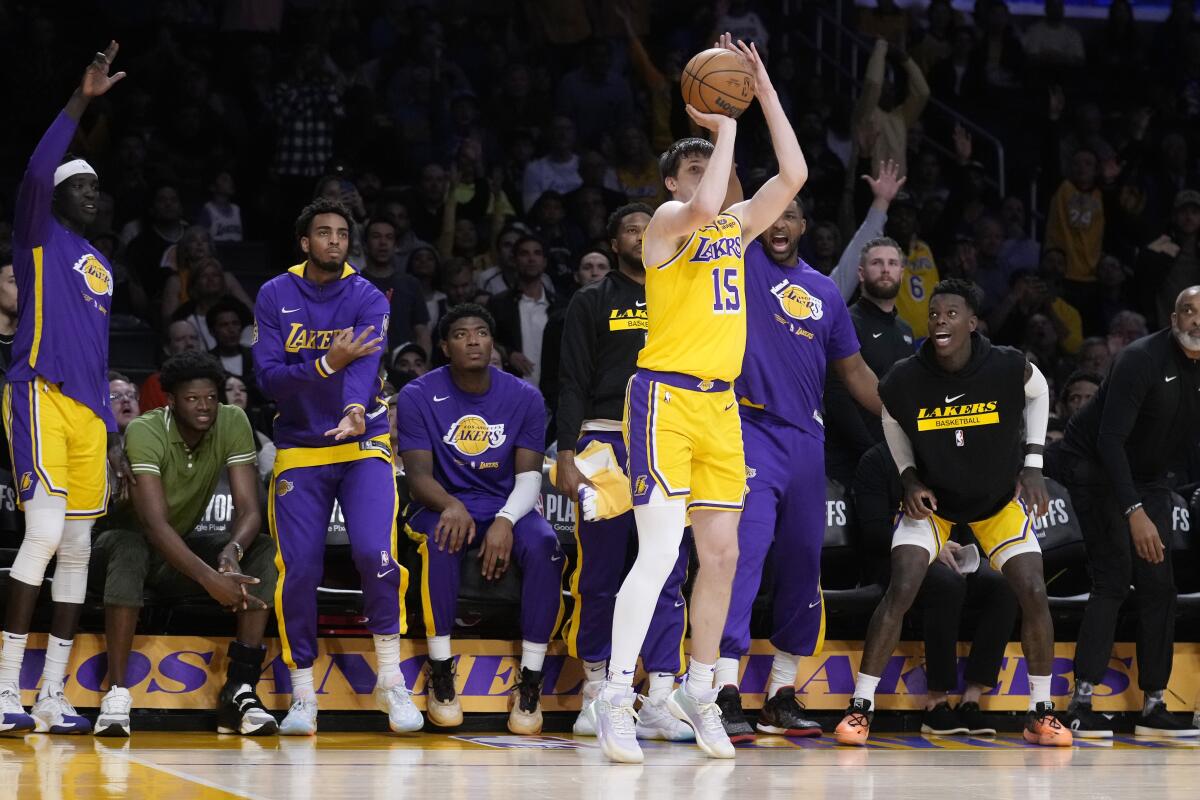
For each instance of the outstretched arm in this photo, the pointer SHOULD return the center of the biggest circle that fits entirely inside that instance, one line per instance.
(757, 213)
(675, 219)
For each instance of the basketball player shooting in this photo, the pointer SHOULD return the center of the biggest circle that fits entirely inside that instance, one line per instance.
(681, 421)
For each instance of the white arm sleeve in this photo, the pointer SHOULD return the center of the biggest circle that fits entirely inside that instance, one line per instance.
(898, 443)
(524, 496)
(1037, 407)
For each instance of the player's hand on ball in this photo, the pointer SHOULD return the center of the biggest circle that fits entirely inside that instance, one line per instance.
(497, 549)
(348, 348)
(762, 81)
(711, 122)
(353, 424)
(1031, 487)
(919, 500)
(455, 528)
(96, 80)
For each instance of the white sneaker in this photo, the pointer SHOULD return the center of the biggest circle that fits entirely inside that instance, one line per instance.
(301, 719)
(585, 723)
(656, 722)
(114, 713)
(396, 702)
(55, 714)
(616, 725)
(13, 718)
(704, 717)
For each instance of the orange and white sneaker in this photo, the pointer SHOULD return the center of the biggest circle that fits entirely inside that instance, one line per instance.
(1042, 727)
(855, 727)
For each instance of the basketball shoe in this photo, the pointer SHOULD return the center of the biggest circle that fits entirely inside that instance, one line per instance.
(1042, 727)
(52, 713)
(733, 718)
(704, 717)
(656, 722)
(13, 718)
(855, 727)
(1086, 723)
(301, 719)
(585, 723)
(396, 701)
(441, 700)
(616, 725)
(780, 716)
(525, 704)
(114, 713)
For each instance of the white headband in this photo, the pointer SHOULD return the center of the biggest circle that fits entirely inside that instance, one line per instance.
(72, 168)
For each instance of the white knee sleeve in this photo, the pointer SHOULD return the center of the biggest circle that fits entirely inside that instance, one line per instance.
(71, 568)
(44, 518)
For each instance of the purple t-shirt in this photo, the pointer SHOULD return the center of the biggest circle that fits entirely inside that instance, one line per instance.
(64, 288)
(473, 437)
(796, 320)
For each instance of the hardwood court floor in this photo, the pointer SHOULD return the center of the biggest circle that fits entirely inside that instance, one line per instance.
(474, 766)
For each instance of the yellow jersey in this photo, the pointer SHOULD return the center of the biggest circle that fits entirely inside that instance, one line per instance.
(916, 284)
(696, 306)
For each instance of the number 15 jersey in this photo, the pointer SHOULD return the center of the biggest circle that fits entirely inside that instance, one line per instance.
(695, 304)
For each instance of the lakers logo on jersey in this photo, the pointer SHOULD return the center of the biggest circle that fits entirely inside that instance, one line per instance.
(299, 338)
(97, 277)
(710, 249)
(283, 486)
(26, 481)
(796, 302)
(957, 416)
(471, 435)
(639, 486)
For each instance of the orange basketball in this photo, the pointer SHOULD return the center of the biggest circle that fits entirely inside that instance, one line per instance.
(718, 81)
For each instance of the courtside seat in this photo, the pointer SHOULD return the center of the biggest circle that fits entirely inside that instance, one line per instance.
(1063, 555)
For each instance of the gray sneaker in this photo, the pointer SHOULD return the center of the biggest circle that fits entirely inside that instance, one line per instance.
(705, 719)
(616, 725)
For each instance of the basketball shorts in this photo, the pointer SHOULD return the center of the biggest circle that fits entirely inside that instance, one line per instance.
(1006, 533)
(684, 437)
(59, 444)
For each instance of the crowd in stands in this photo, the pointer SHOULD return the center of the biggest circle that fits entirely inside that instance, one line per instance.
(482, 147)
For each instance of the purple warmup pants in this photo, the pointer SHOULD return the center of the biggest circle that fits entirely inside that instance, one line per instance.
(535, 551)
(300, 507)
(606, 551)
(785, 507)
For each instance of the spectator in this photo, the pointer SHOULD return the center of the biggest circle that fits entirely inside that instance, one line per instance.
(209, 284)
(637, 168)
(593, 95)
(1095, 356)
(522, 312)
(409, 315)
(826, 247)
(303, 108)
(123, 400)
(129, 304)
(591, 267)
(1020, 250)
(1171, 263)
(196, 251)
(220, 215)
(1075, 225)
(1050, 42)
(1113, 278)
(396, 212)
(990, 274)
(998, 62)
(1125, 329)
(503, 276)
(920, 270)
(226, 320)
(597, 177)
(8, 310)
(426, 206)
(164, 227)
(182, 337)
(1041, 342)
(424, 267)
(1077, 391)
(934, 45)
(950, 79)
(237, 394)
(740, 21)
(878, 108)
(925, 182)
(558, 170)
(886, 22)
(1033, 293)
(559, 234)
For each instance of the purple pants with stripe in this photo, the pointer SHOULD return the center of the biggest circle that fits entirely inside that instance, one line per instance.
(535, 552)
(785, 508)
(606, 552)
(300, 506)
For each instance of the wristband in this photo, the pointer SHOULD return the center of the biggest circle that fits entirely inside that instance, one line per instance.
(237, 548)
(1129, 511)
(328, 370)
(1033, 460)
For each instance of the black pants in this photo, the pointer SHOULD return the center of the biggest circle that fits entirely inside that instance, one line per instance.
(1114, 565)
(942, 597)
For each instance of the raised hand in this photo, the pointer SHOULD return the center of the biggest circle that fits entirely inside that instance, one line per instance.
(762, 81)
(96, 80)
(887, 185)
(710, 122)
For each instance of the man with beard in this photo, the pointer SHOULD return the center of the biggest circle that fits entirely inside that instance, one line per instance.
(1118, 450)
(797, 324)
(603, 333)
(318, 328)
(884, 339)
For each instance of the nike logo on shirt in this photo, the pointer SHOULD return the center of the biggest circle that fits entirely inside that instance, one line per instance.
(679, 604)
(437, 399)
(1168, 380)
(876, 335)
(952, 399)
(385, 572)
(639, 305)
(815, 603)
(288, 310)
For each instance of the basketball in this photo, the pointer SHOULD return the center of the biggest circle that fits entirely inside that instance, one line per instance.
(718, 81)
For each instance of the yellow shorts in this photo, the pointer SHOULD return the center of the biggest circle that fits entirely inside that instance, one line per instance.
(684, 438)
(59, 444)
(1003, 535)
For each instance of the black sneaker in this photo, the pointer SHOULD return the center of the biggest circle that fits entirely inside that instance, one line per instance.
(441, 700)
(1160, 722)
(525, 704)
(781, 716)
(1086, 723)
(942, 720)
(976, 722)
(239, 710)
(737, 727)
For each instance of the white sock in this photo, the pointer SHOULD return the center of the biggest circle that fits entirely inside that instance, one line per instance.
(58, 653)
(594, 671)
(660, 530)
(387, 658)
(864, 687)
(783, 673)
(1039, 690)
(11, 656)
(661, 686)
(699, 679)
(726, 672)
(533, 656)
(439, 648)
(302, 684)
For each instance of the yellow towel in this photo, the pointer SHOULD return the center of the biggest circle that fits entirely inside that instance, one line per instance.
(598, 463)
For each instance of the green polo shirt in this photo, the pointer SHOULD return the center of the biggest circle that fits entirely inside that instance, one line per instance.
(189, 476)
